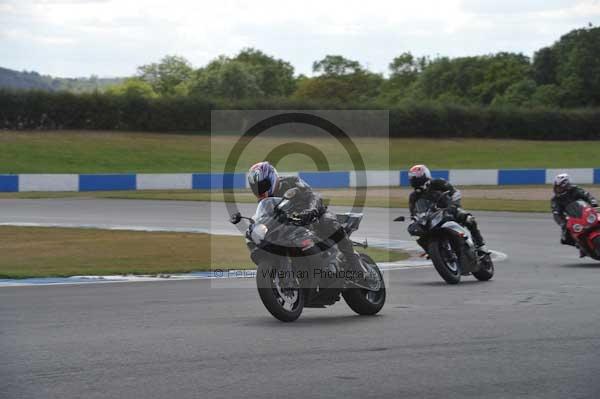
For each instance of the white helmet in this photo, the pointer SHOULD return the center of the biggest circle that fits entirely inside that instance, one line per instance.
(263, 179)
(562, 183)
(419, 176)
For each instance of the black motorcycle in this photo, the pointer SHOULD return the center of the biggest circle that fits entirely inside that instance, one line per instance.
(448, 244)
(295, 269)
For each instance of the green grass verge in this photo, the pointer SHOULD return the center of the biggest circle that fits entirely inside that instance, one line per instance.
(119, 152)
(60, 252)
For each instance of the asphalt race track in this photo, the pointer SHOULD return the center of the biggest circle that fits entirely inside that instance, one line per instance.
(533, 331)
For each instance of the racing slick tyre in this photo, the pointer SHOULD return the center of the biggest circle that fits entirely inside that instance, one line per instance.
(366, 302)
(486, 271)
(445, 259)
(596, 243)
(283, 299)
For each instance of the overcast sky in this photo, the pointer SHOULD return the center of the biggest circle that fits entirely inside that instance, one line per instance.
(111, 37)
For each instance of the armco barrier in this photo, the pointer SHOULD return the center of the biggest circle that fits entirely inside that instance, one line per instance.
(333, 179)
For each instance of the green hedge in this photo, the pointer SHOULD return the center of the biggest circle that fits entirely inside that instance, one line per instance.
(46, 111)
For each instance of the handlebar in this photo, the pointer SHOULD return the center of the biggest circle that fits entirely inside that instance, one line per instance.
(237, 217)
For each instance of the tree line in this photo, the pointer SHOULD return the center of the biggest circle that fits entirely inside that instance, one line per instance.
(553, 95)
(565, 74)
(37, 110)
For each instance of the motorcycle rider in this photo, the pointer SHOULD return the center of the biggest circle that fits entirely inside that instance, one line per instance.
(564, 193)
(265, 182)
(441, 192)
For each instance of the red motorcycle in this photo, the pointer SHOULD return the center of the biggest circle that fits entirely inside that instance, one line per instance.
(583, 223)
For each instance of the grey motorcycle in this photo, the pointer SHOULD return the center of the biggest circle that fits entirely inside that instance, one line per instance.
(296, 269)
(448, 244)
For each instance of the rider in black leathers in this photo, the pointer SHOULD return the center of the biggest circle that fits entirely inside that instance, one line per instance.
(443, 193)
(309, 210)
(564, 193)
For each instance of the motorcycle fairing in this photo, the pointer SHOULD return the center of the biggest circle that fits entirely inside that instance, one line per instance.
(460, 230)
(349, 221)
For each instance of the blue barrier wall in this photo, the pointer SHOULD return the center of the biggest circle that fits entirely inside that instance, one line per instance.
(9, 183)
(107, 182)
(326, 179)
(218, 181)
(521, 176)
(212, 181)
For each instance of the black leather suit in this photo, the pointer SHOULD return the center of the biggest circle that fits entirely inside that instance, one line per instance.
(324, 223)
(435, 192)
(560, 202)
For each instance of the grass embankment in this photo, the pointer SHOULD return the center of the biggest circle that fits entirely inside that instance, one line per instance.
(119, 152)
(60, 252)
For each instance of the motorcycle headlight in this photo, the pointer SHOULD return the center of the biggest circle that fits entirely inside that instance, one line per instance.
(258, 233)
(591, 218)
(415, 229)
(577, 228)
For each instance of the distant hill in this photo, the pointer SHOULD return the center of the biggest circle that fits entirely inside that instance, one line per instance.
(10, 79)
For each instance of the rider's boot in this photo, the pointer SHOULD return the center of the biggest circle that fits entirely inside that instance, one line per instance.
(566, 238)
(471, 224)
(482, 251)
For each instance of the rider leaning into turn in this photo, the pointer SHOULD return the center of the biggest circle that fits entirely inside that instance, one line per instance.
(266, 182)
(449, 197)
(564, 193)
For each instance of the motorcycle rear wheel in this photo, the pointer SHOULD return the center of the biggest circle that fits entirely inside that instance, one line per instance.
(449, 269)
(285, 304)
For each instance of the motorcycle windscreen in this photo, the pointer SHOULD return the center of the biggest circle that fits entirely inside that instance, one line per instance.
(265, 209)
(575, 209)
(423, 205)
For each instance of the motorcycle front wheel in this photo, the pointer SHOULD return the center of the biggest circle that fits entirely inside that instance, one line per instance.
(596, 248)
(366, 302)
(282, 300)
(486, 270)
(445, 259)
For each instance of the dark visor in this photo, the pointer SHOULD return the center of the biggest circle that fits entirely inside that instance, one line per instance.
(418, 181)
(261, 187)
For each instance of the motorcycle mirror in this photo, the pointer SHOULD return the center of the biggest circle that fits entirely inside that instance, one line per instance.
(235, 218)
(400, 219)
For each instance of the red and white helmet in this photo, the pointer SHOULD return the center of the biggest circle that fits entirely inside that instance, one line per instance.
(263, 179)
(419, 176)
(562, 183)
